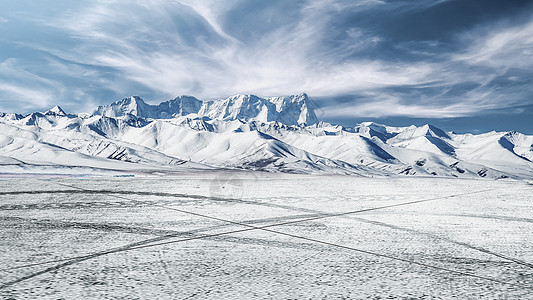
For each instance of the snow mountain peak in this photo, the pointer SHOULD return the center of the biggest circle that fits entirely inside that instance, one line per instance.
(277, 134)
(55, 111)
(289, 110)
(133, 105)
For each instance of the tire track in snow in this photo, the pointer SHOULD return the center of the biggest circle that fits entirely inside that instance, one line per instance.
(436, 237)
(266, 228)
(137, 245)
(123, 203)
(167, 233)
(482, 216)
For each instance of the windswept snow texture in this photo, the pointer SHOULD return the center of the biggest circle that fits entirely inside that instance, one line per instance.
(276, 134)
(122, 238)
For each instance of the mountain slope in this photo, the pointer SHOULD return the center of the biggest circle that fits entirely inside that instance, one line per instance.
(276, 134)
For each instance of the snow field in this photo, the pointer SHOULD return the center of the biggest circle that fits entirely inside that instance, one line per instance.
(474, 227)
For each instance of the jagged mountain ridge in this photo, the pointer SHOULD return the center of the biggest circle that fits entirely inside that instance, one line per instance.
(290, 110)
(277, 134)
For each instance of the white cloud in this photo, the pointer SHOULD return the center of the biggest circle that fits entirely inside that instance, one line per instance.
(288, 59)
(186, 47)
(504, 46)
(210, 11)
(391, 106)
(24, 96)
(23, 89)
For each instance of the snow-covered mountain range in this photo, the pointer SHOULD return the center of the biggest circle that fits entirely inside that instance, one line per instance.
(277, 134)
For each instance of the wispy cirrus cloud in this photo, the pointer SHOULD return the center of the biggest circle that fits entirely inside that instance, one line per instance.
(379, 57)
(23, 89)
(496, 46)
(207, 61)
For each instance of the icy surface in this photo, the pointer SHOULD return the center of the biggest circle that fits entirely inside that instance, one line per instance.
(485, 229)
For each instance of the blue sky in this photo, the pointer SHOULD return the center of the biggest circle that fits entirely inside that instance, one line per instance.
(464, 65)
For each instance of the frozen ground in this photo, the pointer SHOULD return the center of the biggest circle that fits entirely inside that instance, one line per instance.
(132, 238)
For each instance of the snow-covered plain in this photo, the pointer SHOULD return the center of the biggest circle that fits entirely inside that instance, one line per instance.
(478, 228)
